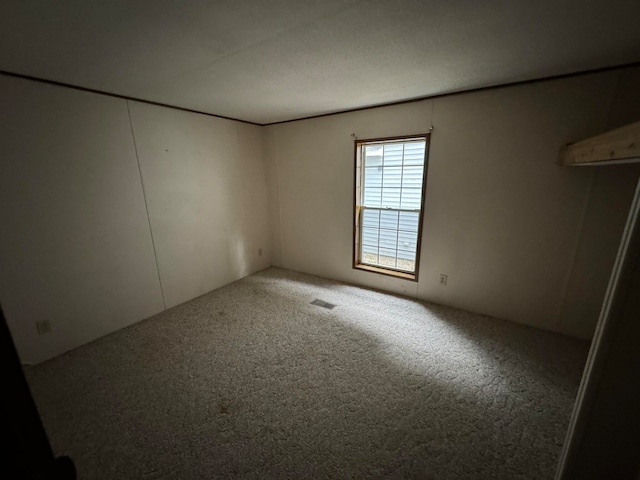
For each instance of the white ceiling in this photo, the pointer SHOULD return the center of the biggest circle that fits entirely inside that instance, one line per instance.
(271, 60)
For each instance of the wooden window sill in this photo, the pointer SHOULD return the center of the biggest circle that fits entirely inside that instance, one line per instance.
(385, 271)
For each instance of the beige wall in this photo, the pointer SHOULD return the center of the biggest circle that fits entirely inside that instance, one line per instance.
(501, 218)
(76, 246)
(519, 237)
(610, 194)
(206, 190)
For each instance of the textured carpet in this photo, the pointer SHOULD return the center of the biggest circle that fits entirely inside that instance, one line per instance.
(253, 381)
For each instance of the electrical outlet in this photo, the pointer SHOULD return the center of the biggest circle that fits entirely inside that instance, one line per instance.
(443, 279)
(259, 252)
(43, 326)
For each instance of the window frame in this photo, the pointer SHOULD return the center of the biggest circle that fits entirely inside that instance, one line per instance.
(358, 173)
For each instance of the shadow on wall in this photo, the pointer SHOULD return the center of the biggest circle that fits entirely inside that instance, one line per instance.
(253, 381)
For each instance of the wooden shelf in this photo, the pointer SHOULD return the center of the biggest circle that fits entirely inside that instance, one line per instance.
(621, 145)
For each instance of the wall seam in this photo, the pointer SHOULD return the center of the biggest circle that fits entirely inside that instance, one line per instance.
(278, 202)
(244, 167)
(146, 207)
(245, 163)
(424, 220)
(264, 159)
(583, 216)
(429, 128)
(614, 98)
(574, 254)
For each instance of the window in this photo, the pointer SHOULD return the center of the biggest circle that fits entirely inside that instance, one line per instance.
(389, 192)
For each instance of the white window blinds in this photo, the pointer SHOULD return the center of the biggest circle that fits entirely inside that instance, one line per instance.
(391, 198)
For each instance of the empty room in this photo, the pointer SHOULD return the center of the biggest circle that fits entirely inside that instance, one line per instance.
(320, 239)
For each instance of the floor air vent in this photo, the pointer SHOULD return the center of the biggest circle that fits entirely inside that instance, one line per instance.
(322, 304)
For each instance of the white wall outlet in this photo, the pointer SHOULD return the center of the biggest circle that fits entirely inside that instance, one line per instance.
(43, 326)
(443, 279)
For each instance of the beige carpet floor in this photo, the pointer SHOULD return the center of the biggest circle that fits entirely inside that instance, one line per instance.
(252, 381)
